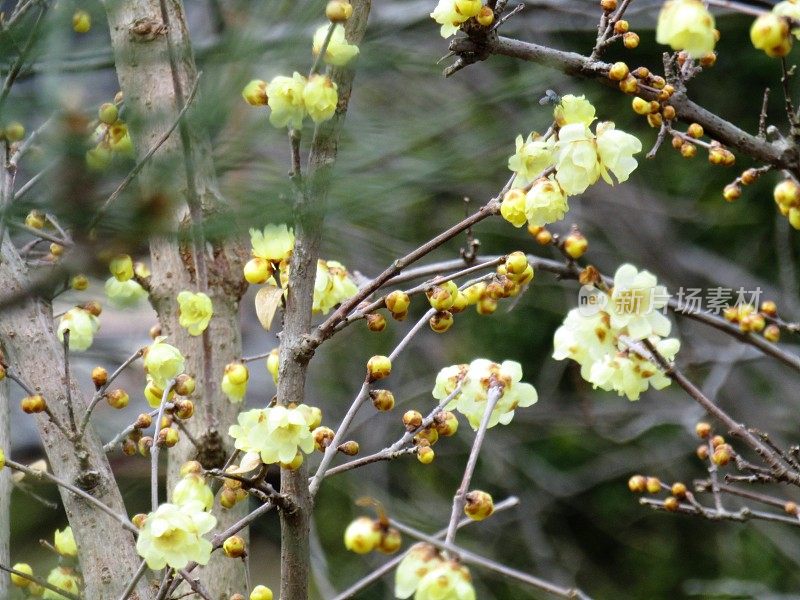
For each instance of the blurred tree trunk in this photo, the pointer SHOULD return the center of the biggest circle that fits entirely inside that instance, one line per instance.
(156, 71)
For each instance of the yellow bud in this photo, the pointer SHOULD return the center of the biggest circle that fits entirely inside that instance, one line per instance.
(81, 21)
(460, 303)
(678, 490)
(732, 192)
(621, 26)
(688, 150)
(425, 455)
(18, 580)
(108, 113)
(479, 505)
(442, 297)
(772, 333)
(640, 106)
(618, 71)
(441, 321)
(637, 484)
(749, 176)
(2, 459)
(486, 305)
(144, 445)
(378, 367)
(398, 301)
(257, 270)
(349, 448)
(117, 398)
(412, 420)
(669, 112)
(35, 219)
(255, 93)
(323, 436)
(722, 455)
(654, 120)
(261, 592)
(274, 363)
(721, 156)
(191, 467)
(516, 263)
(362, 535)
(630, 40)
(653, 485)
(382, 400)
(33, 404)
(338, 11)
(228, 498)
(787, 193)
(99, 376)
(485, 17)
(138, 520)
(184, 409)
(446, 423)
(376, 322)
(770, 33)
(391, 540)
(629, 85)
(121, 267)
(237, 373)
(184, 385)
(671, 503)
(608, 5)
(234, 547)
(575, 244)
(14, 132)
(143, 421)
(428, 436)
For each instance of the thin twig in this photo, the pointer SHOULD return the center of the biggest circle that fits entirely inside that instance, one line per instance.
(155, 448)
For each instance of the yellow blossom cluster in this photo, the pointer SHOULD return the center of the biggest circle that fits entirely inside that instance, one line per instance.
(277, 434)
(82, 326)
(111, 138)
(476, 379)
(195, 311)
(607, 340)
(686, 25)
(451, 14)
(550, 168)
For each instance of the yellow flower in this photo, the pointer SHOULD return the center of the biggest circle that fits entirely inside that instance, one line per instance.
(477, 378)
(576, 159)
(615, 149)
(532, 156)
(234, 390)
(320, 98)
(421, 559)
(195, 311)
(64, 542)
(448, 581)
(513, 207)
(332, 286)
(770, 33)
(585, 338)
(123, 294)
(163, 362)
(276, 433)
(791, 9)
(545, 203)
(255, 93)
(285, 99)
(635, 302)
(450, 14)
(573, 109)
(121, 267)
(18, 580)
(193, 488)
(172, 535)
(339, 52)
(686, 25)
(65, 579)
(82, 326)
(273, 363)
(274, 242)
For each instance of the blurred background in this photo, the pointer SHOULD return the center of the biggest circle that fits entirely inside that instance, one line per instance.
(414, 147)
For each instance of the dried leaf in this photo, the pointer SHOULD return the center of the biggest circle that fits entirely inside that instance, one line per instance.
(268, 299)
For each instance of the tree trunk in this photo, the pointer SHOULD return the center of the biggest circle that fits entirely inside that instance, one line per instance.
(181, 173)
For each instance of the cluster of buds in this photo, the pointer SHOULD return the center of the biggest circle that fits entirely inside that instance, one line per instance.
(714, 447)
(443, 424)
(750, 320)
(233, 491)
(640, 484)
(640, 80)
(509, 281)
(573, 246)
(686, 144)
(111, 136)
(733, 191)
(36, 219)
(365, 535)
(787, 198)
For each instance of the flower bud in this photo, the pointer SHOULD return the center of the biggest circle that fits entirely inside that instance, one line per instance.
(143, 421)
(108, 113)
(376, 322)
(2, 459)
(637, 484)
(234, 547)
(228, 498)
(749, 176)
(14, 132)
(117, 398)
(655, 120)
(382, 400)
(702, 452)
(412, 420)
(129, 445)
(168, 437)
(717, 441)
(425, 455)
(703, 430)
(441, 321)
(81, 21)
(323, 436)
(191, 467)
(671, 503)
(630, 40)
(18, 580)
(618, 71)
(378, 367)
(695, 130)
(772, 333)
(640, 106)
(349, 448)
(338, 11)
(398, 301)
(769, 308)
(721, 156)
(274, 363)
(485, 17)
(261, 592)
(688, 150)
(575, 244)
(79, 282)
(732, 192)
(121, 267)
(446, 423)
(608, 5)
(722, 455)
(99, 376)
(460, 303)
(155, 331)
(479, 505)
(255, 93)
(653, 485)
(33, 404)
(428, 435)
(669, 112)
(486, 305)
(138, 520)
(787, 193)
(257, 270)
(516, 263)
(145, 443)
(362, 535)
(391, 540)
(237, 373)
(2, 372)
(184, 385)
(678, 490)
(441, 297)
(184, 409)
(790, 508)
(621, 26)
(35, 219)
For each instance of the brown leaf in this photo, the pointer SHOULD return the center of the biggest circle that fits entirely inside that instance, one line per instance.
(268, 299)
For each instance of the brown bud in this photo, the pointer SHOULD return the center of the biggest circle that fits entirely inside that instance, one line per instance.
(349, 448)
(323, 436)
(117, 398)
(382, 400)
(93, 307)
(717, 441)
(702, 429)
(790, 508)
(184, 409)
(653, 485)
(412, 420)
(678, 490)
(144, 445)
(33, 404)
(637, 484)
(621, 26)
(702, 452)
(184, 385)
(99, 377)
(671, 503)
(376, 322)
(143, 421)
